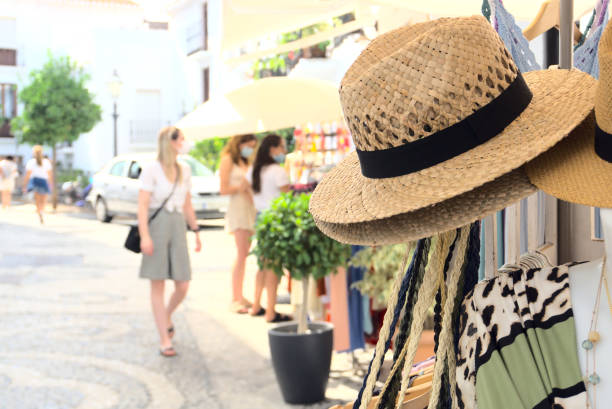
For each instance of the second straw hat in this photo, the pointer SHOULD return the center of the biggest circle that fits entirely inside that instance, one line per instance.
(438, 110)
(579, 169)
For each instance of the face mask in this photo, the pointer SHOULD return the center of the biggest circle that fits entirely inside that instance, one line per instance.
(246, 152)
(280, 158)
(187, 146)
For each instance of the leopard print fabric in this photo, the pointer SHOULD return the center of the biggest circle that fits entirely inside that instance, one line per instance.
(517, 306)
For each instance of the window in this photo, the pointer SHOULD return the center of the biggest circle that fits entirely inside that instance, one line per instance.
(118, 169)
(135, 169)
(146, 120)
(196, 35)
(206, 85)
(205, 26)
(8, 100)
(8, 57)
(8, 108)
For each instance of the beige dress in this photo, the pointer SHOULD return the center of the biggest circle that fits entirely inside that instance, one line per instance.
(241, 210)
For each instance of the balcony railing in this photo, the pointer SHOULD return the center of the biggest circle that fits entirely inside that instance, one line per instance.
(144, 131)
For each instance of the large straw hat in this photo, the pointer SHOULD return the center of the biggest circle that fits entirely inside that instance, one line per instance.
(437, 110)
(579, 169)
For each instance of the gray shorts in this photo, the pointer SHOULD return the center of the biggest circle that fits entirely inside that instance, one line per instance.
(170, 259)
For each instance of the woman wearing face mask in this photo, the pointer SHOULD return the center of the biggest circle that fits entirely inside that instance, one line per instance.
(166, 185)
(240, 216)
(268, 180)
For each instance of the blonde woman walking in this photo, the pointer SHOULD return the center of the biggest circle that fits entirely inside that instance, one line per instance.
(166, 183)
(8, 174)
(240, 216)
(38, 179)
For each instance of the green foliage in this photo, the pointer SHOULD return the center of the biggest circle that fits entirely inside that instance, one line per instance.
(57, 105)
(288, 239)
(208, 151)
(286, 133)
(277, 65)
(385, 261)
(70, 175)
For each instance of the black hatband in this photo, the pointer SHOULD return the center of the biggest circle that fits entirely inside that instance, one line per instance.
(474, 130)
(603, 144)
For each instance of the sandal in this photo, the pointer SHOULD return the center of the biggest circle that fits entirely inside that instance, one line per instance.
(260, 313)
(167, 352)
(280, 318)
(238, 308)
(171, 332)
(246, 303)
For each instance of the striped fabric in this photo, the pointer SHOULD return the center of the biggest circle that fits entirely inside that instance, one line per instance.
(517, 348)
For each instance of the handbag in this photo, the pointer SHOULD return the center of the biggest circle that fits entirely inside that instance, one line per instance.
(132, 242)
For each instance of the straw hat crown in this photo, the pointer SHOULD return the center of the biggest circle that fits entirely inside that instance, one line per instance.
(417, 80)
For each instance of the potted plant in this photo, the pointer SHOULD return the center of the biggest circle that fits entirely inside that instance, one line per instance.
(288, 240)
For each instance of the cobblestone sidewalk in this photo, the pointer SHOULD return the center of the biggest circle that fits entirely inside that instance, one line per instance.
(77, 331)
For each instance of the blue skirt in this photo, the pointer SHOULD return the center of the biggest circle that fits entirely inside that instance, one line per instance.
(39, 185)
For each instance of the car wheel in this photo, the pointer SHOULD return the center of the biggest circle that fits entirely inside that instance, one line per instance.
(102, 211)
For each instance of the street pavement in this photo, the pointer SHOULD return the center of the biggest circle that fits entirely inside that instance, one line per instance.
(76, 329)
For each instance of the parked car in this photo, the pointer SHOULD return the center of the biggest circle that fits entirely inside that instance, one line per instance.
(115, 188)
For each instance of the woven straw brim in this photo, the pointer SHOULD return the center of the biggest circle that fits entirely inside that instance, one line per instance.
(573, 172)
(561, 100)
(444, 216)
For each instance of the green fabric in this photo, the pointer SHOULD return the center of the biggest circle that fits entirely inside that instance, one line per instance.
(515, 374)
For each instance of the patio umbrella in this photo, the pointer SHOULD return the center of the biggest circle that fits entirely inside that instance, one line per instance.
(264, 105)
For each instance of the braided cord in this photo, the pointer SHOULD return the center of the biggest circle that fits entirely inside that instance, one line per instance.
(394, 308)
(392, 382)
(425, 296)
(446, 348)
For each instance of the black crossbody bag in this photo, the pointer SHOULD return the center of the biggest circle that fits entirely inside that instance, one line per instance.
(132, 242)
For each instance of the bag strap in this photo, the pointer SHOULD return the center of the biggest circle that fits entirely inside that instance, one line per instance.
(154, 215)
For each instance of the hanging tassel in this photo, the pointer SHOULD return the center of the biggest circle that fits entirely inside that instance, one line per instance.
(394, 308)
(426, 292)
(386, 399)
(446, 347)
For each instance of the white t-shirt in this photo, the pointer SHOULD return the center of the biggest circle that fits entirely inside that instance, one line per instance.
(39, 171)
(154, 180)
(8, 169)
(273, 177)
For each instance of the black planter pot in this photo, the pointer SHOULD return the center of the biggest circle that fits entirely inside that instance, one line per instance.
(302, 362)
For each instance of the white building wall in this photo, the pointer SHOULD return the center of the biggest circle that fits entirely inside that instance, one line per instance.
(184, 17)
(101, 38)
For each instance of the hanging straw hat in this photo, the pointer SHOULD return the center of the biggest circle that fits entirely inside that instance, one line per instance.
(579, 169)
(438, 110)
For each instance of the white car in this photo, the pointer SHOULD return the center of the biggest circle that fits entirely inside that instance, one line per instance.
(115, 188)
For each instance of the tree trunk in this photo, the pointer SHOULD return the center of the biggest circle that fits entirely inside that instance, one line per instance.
(303, 318)
(54, 172)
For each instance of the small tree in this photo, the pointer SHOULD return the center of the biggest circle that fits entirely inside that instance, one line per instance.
(288, 239)
(58, 107)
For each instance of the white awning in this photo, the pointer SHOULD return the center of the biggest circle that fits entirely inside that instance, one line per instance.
(264, 105)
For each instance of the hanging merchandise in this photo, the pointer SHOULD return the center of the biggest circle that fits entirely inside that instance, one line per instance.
(517, 347)
(585, 56)
(419, 169)
(339, 310)
(513, 38)
(355, 306)
(316, 151)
